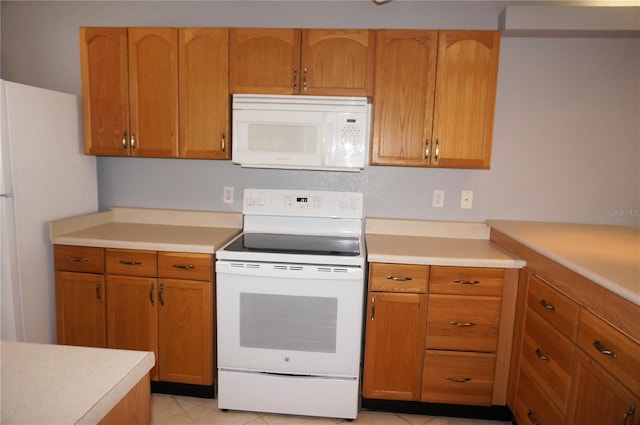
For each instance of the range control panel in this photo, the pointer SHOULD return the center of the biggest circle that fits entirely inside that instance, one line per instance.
(303, 203)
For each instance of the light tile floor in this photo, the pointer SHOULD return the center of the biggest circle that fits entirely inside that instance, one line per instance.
(179, 410)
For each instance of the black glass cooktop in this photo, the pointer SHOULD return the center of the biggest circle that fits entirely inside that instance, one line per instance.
(296, 244)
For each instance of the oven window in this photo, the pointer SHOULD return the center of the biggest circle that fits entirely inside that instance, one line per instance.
(288, 322)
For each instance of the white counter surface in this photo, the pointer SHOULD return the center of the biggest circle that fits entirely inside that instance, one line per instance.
(149, 229)
(434, 243)
(606, 255)
(58, 384)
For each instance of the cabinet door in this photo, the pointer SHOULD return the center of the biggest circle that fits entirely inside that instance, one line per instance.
(132, 315)
(405, 72)
(105, 91)
(204, 93)
(80, 309)
(186, 331)
(394, 346)
(600, 399)
(465, 98)
(264, 60)
(153, 91)
(337, 62)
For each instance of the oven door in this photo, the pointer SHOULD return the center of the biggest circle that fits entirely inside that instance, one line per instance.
(294, 319)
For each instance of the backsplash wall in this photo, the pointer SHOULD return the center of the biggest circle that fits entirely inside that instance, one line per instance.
(566, 135)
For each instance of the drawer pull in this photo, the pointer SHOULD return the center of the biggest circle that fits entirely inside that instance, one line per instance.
(630, 412)
(596, 343)
(540, 355)
(130, 263)
(184, 266)
(532, 418)
(546, 305)
(466, 282)
(78, 259)
(399, 279)
(462, 325)
(462, 381)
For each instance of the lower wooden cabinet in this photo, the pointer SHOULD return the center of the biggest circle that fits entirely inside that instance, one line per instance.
(80, 309)
(185, 337)
(80, 296)
(458, 377)
(394, 346)
(432, 333)
(601, 399)
(132, 315)
(140, 300)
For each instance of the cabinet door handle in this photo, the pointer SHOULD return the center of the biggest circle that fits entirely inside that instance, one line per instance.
(546, 305)
(184, 266)
(151, 294)
(304, 79)
(532, 418)
(599, 347)
(130, 263)
(295, 79)
(462, 325)
(223, 143)
(463, 380)
(437, 152)
(540, 355)
(426, 149)
(630, 412)
(400, 279)
(78, 259)
(124, 140)
(98, 294)
(160, 294)
(466, 282)
(133, 141)
(373, 308)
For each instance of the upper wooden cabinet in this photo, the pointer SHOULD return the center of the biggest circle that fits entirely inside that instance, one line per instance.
(134, 104)
(204, 93)
(434, 97)
(130, 91)
(310, 62)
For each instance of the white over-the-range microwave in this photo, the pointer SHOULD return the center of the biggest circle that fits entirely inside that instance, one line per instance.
(300, 132)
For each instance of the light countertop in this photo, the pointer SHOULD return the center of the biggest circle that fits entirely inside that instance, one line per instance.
(434, 243)
(606, 255)
(149, 229)
(58, 384)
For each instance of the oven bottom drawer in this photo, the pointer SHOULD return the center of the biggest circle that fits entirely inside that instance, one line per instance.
(297, 395)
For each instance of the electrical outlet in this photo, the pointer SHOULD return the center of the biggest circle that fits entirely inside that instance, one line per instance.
(438, 199)
(466, 199)
(227, 195)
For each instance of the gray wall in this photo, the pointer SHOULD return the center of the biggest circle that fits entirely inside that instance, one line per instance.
(566, 138)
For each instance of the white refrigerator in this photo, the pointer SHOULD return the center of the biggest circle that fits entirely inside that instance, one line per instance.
(44, 176)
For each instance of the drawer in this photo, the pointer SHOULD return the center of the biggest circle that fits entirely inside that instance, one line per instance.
(555, 307)
(131, 262)
(456, 322)
(178, 265)
(532, 406)
(458, 378)
(398, 277)
(83, 259)
(548, 356)
(617, 353)
(466, 281)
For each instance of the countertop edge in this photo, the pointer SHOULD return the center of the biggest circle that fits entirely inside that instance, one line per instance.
(446, 261)
(149, 246)
(119, 391)
(604, 282)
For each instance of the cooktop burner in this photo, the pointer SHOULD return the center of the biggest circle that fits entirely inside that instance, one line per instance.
(295, 244)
